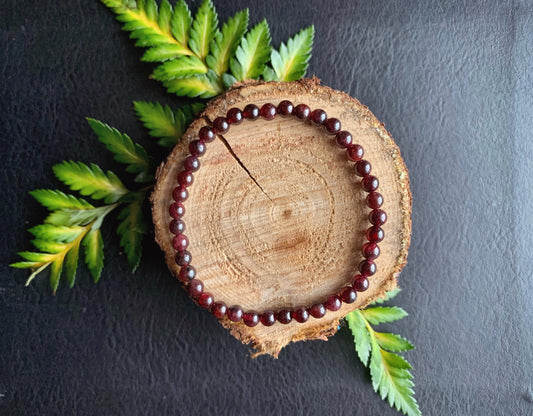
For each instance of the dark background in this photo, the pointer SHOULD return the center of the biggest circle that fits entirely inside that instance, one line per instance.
(451, 80)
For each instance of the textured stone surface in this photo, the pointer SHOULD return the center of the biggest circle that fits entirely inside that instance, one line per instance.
(453, 84)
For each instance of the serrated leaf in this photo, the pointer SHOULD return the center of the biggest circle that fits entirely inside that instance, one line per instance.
(203, 29)
(181, 21)
(179, 68)
(131, 229)
(53, 199)
(360, 334)
(228, 80)
(226, 41)
(71, 263)
(55, 273)
(90, 180)
(252, 54)
(392, 342)
(49, 246)
(162, 53)
(55, 233)
(24, 264)
(93, 245)
(202, 86)
(291, 62)
(382, 314)
(36, 257)
(165, 16)
(388, 296)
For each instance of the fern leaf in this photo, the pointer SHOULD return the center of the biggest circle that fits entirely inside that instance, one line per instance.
(53, 200)
(362, 340)
(181, 22)
(131, 229)
(57, 234)
(179, 68)
(37, 258)
(55, 273)
(382, 314)
(49, 246)
(252, 54)
(93, 246)
(202, 86)
(71, 263)
(203, 29)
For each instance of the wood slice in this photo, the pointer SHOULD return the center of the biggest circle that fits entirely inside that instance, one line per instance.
(276, 216)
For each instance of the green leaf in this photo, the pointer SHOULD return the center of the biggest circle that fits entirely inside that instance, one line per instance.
(90, 180)
(181, 22)
(53, 200)
(226, 41)
(131, 229)
(55, 233)
(361, 336)
(291, 62)
(93, 245)
(252, 54)
(203, 29)
(24, 264)
(36, 257)
(71, 263)
(165, 16)
(179, 68)
(388, 296)
(382, 314)
(203, 86)
(392, 342)
(55, 273)
(49, 246)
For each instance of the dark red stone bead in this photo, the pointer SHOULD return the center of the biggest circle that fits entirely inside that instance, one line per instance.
(220, 125)
(367, 268)
(267, 318)
(191, 163)
(360, 283)
(219, 309)
(180, 193)
(197, 148)
(268, 111)
(344, 139)
(207, 134)
(370, 251)
(183, 258)
(187, 273)
(250, 318)
(363, 167)
(176, 226)
(318, 116)
(180, 242)
(300, 315)
(185, 178)
(176, 210)
(333, 303)
(251, 112)
(318, 310)
(234, 313)
(332, 125)
(375, 234)
(234, 116)
(348, 295)
(378, 217)
(285, 108)
(369, 183)
(355, 153)
(205, 300)
(374, 200)
(302, 111)
(284, 316)
(195, 288)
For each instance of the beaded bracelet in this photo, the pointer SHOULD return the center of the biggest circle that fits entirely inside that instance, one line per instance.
(369, 183)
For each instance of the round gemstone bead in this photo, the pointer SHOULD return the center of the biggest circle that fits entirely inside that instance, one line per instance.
(268, 111)
(185, 178)
(375, 234)
(284, 316)
(344, 139)
(285, 108)
(363, 167)
(180, 242)
(195, 288)
(369, 183)
(250, 318)
(302, 111)
(187, 273)
(251, 112)
(300, 315)
(220, 125)
(183, 258)
(374, 200)
(176, 226)
(348, 295)
(180, 194)
(219, 309)
(207, 134)
(332, 125)
(333, 303)
(367, 268)
(267, 318)
(234, 116)
(197, 148)
(378, 217)
(360, 283)
(318, 310)
(234, 313)
(370, 251)
(355, 153)
(205, 300)
(176, 210)
(318, 117)
(191, 163)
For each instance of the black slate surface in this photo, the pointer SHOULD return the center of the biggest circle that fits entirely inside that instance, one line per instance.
(451, 80)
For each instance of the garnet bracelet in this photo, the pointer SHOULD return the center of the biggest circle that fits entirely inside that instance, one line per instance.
(369, 183)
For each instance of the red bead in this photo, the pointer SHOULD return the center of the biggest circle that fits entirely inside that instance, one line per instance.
(183, 258)
(285, 108)
(234, 313)
(219, 309)
(378, 217)
(185, 178)
(205, 300)
(332, 125)
(191, 163)
(251, 112)
(367, 268)
(333, 303)
(197, 148)
(207, 134)
(374, 200)
(300, 315)
(250, 318)
(348, 295)
(318, 310)
(360, 283)
(355, 153)
(220, 125)
(176, 210)
(302, 111)
(195, 288)
(180, 194)
(363, 167)
(370, 251)
(284, 316)
(176, 226)
(318, 116)
(268, 111)
(375, 234)
(267, 318)
(369, 183)
(180, 242)
(344, 139)
(187, 273)
(234, 116)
